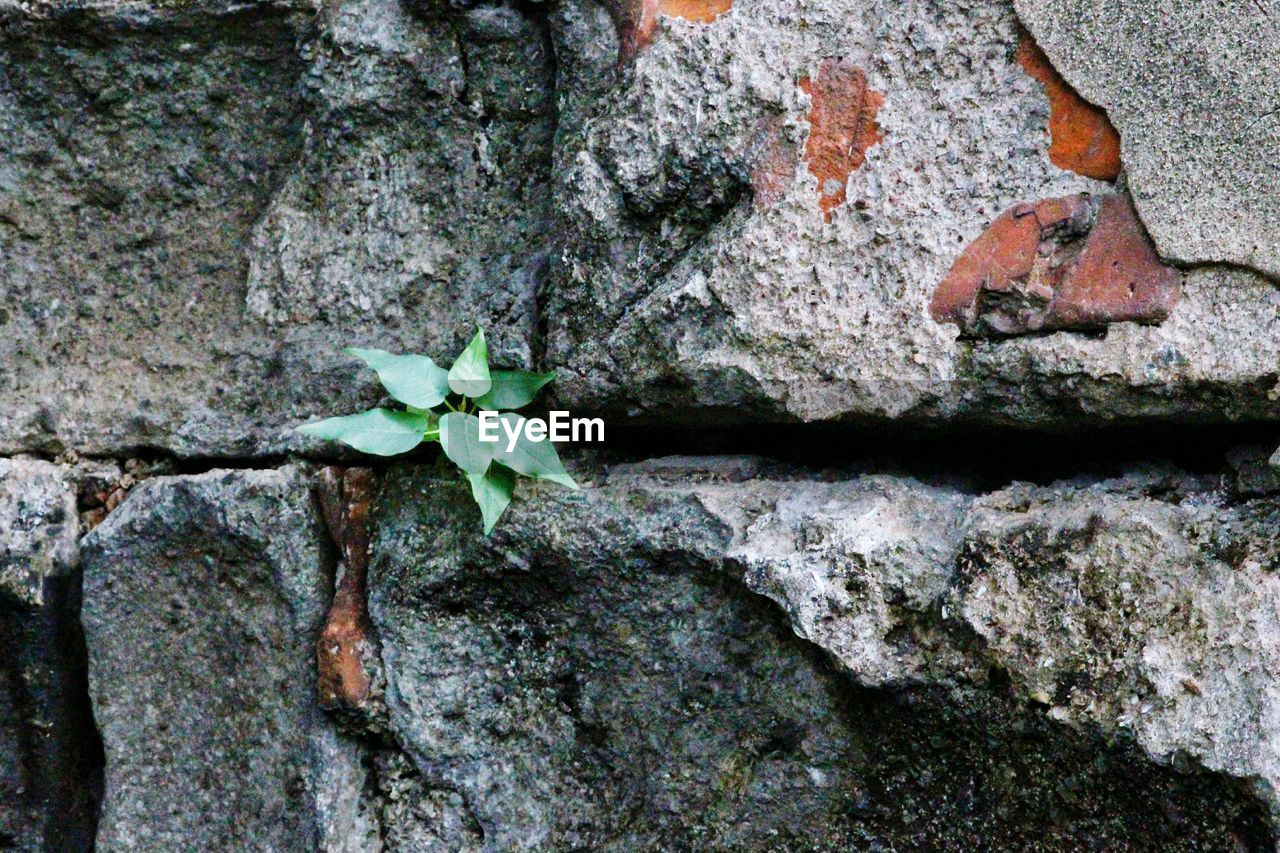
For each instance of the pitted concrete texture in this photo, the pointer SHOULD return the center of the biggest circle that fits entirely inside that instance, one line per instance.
(1194, 88)
(699, 276)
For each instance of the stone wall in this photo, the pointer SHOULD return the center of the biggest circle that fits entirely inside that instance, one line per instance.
(896, 312)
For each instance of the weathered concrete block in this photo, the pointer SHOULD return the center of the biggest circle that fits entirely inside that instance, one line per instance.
(700, 277)
(1191, 88)
(201, 206)
(737, 213)
(203, 598)
(599, 673)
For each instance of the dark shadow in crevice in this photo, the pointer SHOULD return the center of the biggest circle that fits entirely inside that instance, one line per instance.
(980, 456)
(974, 456)
(60, 751)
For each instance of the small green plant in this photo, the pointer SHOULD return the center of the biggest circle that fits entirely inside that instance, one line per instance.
(443, 405)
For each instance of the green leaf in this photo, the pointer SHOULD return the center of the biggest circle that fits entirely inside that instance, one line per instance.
(414, 380)
(492, 491)
(383, 432)
(460, 438)
(469, 375)
(513, 388)
(537, 459)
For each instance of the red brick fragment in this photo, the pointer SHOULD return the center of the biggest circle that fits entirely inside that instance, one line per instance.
(1081, 136)
(1118, 275)
(637, 20)
(842, 126)
(345, 499)
(1062, 263)
(1004, 256)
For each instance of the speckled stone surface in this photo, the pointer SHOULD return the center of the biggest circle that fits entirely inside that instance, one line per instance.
(1192, 87)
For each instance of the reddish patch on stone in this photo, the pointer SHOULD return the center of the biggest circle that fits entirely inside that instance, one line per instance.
(842, 126)
(771, 162)
(1081, 137)
(637, 20)
(1061, 263)
(1118, 275)
(700, 11)
(1004, 255)
(345, 498)
(96, 504)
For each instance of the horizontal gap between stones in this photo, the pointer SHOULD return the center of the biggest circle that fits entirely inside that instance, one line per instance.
(980, 456)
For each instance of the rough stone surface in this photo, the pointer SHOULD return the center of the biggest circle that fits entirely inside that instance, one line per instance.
(419, 196)
(597, 673)
(801, 222)
(699, 277)
(50, 758)
(696, 650)
(848, 565)
(200, 206)
(1191, 86)
(203, 597)
(1254, 473)
(38, 516)
(202, 203)
(1146, 604)
(1143, 606)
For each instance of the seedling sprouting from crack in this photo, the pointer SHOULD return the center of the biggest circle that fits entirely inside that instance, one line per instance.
(443, 405)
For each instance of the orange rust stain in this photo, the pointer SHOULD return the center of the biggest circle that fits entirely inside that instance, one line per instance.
(701, 11)
(341, 678)
(1081, 137)
(842, 126)
(345, 499)
(1060, 263)
(637, 20)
